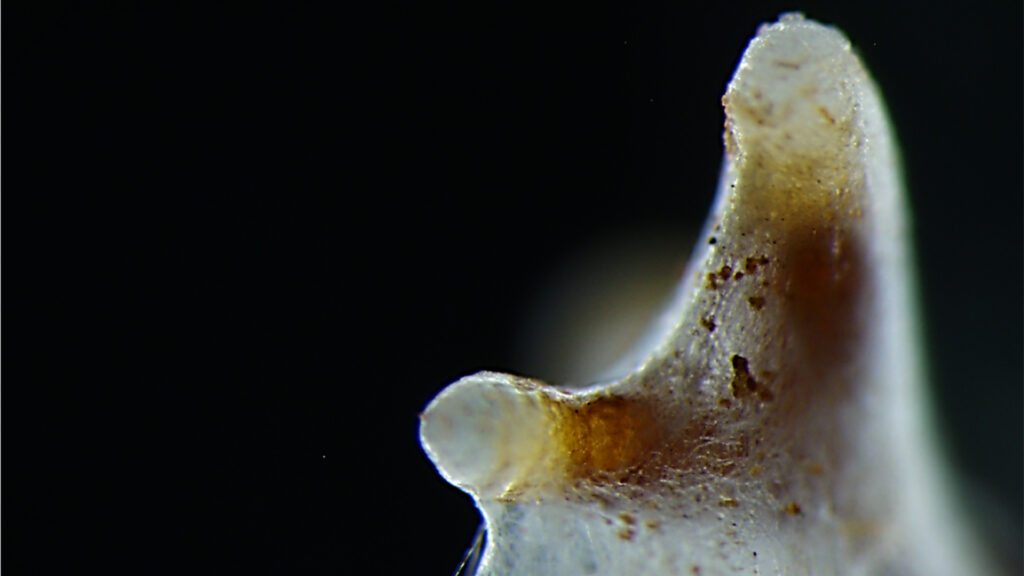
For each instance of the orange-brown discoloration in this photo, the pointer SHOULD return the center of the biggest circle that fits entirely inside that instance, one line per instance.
(607, 434)
(823, 284)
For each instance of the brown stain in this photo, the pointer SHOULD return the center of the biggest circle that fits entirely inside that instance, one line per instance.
(743, 383)
(717, 279)
(795, 210)
(607, 434)
(708, 324)
(618, 441)
(752, 263)
(712, 283)
(626, 534)
(627, 518)
(811, 267)
(823, 286)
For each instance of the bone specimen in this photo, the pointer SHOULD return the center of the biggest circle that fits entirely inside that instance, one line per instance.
(777, 423)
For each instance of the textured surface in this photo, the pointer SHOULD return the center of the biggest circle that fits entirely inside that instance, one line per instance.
(773, 426)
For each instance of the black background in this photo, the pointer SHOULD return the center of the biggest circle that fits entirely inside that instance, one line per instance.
(263, 238)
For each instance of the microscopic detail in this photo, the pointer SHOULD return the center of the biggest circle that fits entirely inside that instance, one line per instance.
(777, 428)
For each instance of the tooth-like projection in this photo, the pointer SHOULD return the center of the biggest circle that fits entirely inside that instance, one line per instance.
(778, 424)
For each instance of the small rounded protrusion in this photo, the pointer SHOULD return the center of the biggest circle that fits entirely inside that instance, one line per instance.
(487, 432)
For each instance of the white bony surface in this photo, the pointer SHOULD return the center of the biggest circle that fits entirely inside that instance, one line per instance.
(777, 422)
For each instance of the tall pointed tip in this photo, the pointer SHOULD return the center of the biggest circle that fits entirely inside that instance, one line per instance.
(796, 86)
